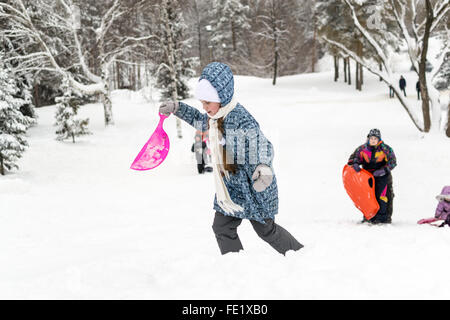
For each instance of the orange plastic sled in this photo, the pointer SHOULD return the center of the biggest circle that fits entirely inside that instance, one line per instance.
(360, 186)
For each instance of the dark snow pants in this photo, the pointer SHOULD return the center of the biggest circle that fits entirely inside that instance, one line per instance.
(225, 229)
(385, 196)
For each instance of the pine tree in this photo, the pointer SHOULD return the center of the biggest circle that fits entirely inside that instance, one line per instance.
(13, 124)
(68, 125)
(231, 21)
(25, 88)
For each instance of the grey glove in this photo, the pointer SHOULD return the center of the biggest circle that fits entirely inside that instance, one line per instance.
(168, 107)
(262, 177)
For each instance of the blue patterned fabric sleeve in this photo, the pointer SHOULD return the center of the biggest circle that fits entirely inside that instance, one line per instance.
(192, 116)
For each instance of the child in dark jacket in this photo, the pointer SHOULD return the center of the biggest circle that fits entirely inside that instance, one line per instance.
(379, 159)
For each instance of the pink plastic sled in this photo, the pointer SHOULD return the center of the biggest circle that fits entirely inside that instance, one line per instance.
(155, 150)
(427, 220)
(431, 221)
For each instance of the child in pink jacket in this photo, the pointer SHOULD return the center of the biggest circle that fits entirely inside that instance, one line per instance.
(443, 208)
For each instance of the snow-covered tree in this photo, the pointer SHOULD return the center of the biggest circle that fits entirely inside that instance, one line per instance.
(416, 32)
(421, 28)
(230, 22)
(181, 44)
(9, 50)
(63, 46)
(13, 124)
(305, 17)
(442, 79)
(332, 23)
(173, 67)
(25, 88)
(68, 124)
(274, 30)
(335, 23)
(442, 82)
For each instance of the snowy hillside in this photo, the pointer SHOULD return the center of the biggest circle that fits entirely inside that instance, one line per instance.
(76, 222)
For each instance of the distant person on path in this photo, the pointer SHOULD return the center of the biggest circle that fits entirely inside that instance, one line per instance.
(402, 84)
(379, 159)
(391, 92)
(245, 183)
(418, 90)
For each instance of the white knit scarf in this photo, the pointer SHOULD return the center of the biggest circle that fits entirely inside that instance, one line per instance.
(216, 140)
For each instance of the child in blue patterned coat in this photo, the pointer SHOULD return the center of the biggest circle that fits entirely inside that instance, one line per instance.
(246, 187)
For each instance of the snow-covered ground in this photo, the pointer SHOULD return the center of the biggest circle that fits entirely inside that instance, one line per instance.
(77, 223)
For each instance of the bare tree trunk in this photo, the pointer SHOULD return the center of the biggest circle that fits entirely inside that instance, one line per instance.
(135, 75)
(358, 68)
(422, 70)
(233, 34)
(105, 94)
(361, 74)
(118, 85)
(336, 68)
(381, 69)
(171, 61)
(37, 101)
(199, 33)
(105, 97)
(113, 72)
(132, 76)
(358, 76)
(275, 44)
(2, 169)
(146, 71)
(275, 68)
(447, 132)
(139, 77)
(313, 62)
(349, 72)
(345, 70)
(107, 107)
(361, 78)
